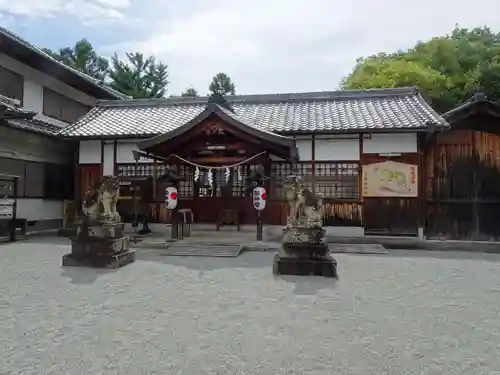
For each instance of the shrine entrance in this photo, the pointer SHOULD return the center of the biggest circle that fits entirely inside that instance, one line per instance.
(213, 156)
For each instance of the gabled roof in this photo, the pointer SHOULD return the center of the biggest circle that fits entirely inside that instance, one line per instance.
(225, 115)
(378, 110)
(478, 103)
(13, 45)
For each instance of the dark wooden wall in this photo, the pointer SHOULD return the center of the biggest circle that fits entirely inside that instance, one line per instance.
(462, 185)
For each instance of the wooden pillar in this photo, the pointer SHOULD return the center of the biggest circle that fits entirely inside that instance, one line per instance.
(313, 162)
(102, 157)
(115, 161)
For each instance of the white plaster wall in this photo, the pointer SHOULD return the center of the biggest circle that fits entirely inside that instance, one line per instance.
(305, 149)
(33, 99)
(39, 209)
(337, 149)
(108, 167)
(90, 152)
(41, 79)
(390, 143)
(124, 152)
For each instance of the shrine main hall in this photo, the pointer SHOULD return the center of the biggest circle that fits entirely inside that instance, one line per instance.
(341, 142)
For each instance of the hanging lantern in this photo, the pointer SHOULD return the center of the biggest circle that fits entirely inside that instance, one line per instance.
(171, 197)
(259, 198)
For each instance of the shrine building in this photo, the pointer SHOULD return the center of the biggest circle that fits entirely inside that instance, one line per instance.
(361, 150)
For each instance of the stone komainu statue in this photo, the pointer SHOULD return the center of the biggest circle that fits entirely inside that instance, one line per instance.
(304, 204)
(100, 203)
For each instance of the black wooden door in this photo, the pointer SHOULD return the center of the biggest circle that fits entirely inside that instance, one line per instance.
(391, 216)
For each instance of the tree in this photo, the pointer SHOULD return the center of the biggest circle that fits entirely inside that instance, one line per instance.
(222, 84)
(83, 58)
(139, 77)
(190, 92)
(448, 69)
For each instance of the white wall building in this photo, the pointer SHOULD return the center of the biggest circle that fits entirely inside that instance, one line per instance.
(59, 96)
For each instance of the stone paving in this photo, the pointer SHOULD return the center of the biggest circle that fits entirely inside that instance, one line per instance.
(400, 313)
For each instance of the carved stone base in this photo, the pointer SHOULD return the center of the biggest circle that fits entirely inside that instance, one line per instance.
(100, 252)
(292, 265)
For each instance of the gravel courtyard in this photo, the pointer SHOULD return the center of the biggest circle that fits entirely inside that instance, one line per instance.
(401, 313)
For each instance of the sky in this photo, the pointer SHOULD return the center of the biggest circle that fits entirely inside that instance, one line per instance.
(265, 46)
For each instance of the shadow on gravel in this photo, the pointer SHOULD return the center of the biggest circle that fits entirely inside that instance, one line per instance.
(84, 275)
(308, 285)
(244, 260)
(460, 255)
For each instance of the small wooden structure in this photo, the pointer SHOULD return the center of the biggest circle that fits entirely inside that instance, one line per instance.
(462, 174)
(8, 206)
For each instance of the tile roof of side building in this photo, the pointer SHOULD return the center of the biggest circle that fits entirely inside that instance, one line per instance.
(17, 117)
(350, 111)
(38, 51)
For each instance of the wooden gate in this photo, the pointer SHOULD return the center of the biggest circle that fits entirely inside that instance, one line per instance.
(463, 186)
(391, 216)
(394, 216)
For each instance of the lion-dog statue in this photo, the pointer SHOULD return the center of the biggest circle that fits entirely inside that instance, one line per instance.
(303, 204)
(100, 203)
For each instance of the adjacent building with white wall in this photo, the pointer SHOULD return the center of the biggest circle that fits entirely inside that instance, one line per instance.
(361, 150)
(54, 96)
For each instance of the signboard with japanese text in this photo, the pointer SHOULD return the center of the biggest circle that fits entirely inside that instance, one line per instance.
(390, 179)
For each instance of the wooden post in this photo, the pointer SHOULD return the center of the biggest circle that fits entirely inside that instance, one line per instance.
(13, 236)
(259, 226)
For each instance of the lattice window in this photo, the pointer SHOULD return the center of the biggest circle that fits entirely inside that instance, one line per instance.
(338, 180)
(128, 170)
(279, 171)
(185, 172)
(332, 180)
(186, 185)
(239, 182)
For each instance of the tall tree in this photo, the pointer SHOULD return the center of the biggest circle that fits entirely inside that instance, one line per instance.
(190, 92)
(222, 84)
(83, 58)
(140, 77)
(448, 69)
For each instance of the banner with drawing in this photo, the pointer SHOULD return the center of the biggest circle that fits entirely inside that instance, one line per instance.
(390, 179)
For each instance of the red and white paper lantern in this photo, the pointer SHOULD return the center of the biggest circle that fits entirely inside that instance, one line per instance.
(259, 198)
(171, 197)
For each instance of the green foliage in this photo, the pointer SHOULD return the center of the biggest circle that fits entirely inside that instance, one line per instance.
(448, 69)
(83, 58)
(222, 84)
(139, 77)
(190, 92)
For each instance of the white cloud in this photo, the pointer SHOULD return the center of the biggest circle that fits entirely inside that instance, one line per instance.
(267, 46)
(88, 11)
(293, 45)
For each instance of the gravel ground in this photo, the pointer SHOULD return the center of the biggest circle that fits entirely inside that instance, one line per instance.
(402, 313)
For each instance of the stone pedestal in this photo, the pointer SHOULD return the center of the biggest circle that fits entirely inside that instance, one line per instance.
(304, 251)
(100, 245)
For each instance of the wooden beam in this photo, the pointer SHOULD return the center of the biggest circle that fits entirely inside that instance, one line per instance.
(223, 160)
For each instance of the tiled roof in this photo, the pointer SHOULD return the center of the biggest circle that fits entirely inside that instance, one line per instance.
(17, 117)
(33, 125)
(327, 112)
